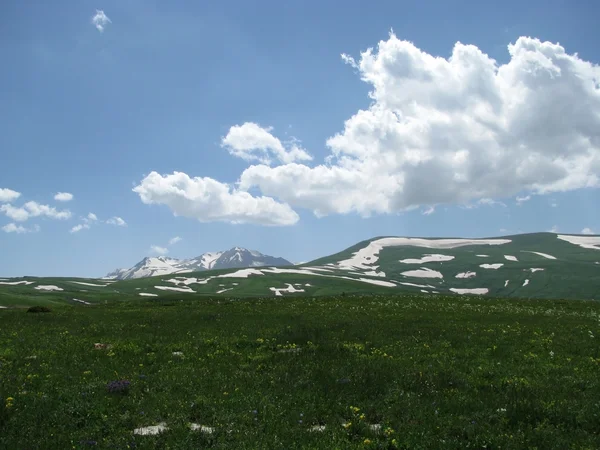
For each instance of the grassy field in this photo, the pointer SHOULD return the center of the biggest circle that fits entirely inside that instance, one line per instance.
(328, 373)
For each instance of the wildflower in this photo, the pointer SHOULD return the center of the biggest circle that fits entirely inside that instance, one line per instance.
(362, 417)
(9, 402)
(119, 386)
(388, 431)
(87, 372)
(367, 441)
(551, 354)
(354, 409)
(347, 425)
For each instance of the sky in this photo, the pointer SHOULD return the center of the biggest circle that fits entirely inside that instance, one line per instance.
(133, 128)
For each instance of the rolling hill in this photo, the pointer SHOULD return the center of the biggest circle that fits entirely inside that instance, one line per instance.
(537, 265)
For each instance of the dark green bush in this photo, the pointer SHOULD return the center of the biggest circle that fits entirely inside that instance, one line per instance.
(39, 309)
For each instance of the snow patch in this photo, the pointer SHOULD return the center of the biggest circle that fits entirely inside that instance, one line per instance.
(201, 428)
(177, 289)
(491, 266)
(367, 256)
(243, 273)
(591, 242)
(476, 291)
(417, 285)
(423, 272)
(377, 282)
(506, 283)
(151, 430)
(428, 258)
(510, 258)
(48, 287)
(483, 256)
(88, 284)
(224, 290)
(147, 294)
(15, 283)
(81, 301)
(545, 255)
(289, 289)
(533, 269)
(466, 275)
(526, 282)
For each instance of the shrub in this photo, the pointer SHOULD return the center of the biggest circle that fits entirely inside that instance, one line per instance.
(39, 309)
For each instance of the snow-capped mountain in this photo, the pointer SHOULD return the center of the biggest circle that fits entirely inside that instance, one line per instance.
(236, 257)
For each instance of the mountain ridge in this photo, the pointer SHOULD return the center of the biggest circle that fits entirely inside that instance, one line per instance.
(236, 257)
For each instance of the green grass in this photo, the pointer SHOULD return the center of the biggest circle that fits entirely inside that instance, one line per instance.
(434, 372)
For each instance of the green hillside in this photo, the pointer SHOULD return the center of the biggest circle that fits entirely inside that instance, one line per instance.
(539, 265)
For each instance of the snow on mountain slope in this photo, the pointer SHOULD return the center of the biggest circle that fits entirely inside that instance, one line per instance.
(236, 257)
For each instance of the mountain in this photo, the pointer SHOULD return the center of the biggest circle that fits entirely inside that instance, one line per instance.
(536, 265)
(236, 257)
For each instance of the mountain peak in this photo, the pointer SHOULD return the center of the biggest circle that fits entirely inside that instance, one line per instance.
(236, 257)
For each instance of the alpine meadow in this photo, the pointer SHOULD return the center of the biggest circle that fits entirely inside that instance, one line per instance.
(295, 225)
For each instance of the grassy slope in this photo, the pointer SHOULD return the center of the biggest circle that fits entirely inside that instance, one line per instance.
(573, 274)
(442, 372)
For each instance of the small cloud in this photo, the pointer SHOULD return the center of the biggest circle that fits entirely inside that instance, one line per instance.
(63, 197)
(587, 230)
(100, 20)
(33, 209)
(553, 204)
(174, 240)
(78, 228)
(490, 202)
(8, 195)
(429, 211)
(521, 200)
(159, 250)
(19, 229)
(554, 229)
(92, 217)
(116, 221)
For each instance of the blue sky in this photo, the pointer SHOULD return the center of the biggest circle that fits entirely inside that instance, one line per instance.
(94, 112)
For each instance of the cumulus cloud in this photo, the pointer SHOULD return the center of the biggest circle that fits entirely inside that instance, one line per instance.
(63, 197)
(208, 200)
(587, 230)
(116, 221)
(252, 142)
(33, 209)
(91, 217)
(78, 228)
(438, 131)
(429, 211)
(19, 229)
(451, 131)
(8, 195)
(159, 250)
(174, 240)
(100, 20)
(521, 200)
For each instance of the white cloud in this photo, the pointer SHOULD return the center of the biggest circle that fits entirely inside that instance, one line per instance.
(100, 20)
(208, 200)
(554, 229)
(8, 195)
(587, 230)
(81, 226)
(429, 211)
(452, 131)
(116, 221)
(19, 229)
(33, 209)
(554, 204)
(91, 217)
(521, 200)
(159, 250)
(252, 142)
(174, 240)
(63, 197)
